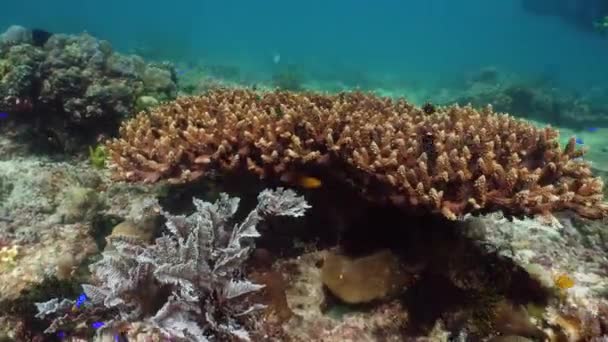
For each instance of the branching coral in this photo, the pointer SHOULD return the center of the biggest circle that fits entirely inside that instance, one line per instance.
(453, 161)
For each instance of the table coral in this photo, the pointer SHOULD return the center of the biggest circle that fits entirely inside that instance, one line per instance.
(454, 161)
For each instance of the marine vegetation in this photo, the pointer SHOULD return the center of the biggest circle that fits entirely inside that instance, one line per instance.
(190, 283)
(453, 161)
(98, 156)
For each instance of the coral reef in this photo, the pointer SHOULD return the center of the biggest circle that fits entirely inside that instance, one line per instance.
(75, 81)
(454, 161)
(358, 267)
(54, 212)
(570, 247)
(537, 98)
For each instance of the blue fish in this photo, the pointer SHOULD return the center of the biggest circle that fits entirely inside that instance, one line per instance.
(81, 299)
(3, 115)
(580, 141)
(592, 129)
(97, 325)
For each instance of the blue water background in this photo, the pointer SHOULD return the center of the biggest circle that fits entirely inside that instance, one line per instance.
(428, 41)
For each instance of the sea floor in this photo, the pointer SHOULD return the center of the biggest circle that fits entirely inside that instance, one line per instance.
(481, 279)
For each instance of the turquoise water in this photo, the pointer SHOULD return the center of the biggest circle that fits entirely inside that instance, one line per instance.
(59, 208)
(425, 43)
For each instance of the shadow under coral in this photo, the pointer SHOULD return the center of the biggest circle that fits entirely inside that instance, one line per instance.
(458, 280)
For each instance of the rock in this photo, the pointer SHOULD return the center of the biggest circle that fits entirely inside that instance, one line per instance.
(16, 34)
(126, 66)
(78, 204)
(131, 230)
(76, 85)
(159, 81)
(311, 322)
(145, 102)
(365, 279)
(273, 294)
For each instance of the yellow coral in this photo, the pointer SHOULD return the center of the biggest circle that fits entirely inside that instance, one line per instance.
(9, 254)
(563, 281)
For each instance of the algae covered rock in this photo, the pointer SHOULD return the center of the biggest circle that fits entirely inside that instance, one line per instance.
(78, 204)
(160, 81)
(142, 231)
(145, 102)
(76, 85)
(16, 34)
(126, 66)
(364, 279)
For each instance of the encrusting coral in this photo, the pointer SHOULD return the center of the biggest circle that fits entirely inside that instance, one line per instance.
(453, 161)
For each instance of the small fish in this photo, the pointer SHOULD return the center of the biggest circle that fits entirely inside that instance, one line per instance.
(3, 115)
(97, 325)
(579, 141)
(276, 58)
(81, 299)
(301, 180)
(429, 108)
(308, 182)
(592, 129)
(563, 281)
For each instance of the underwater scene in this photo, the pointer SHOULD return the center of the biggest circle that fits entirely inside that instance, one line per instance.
(331, 171)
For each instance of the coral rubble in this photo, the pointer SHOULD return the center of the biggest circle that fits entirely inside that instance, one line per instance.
(454, 161)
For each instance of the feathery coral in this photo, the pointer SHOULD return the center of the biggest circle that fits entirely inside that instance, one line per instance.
(453, 161)
(198, 265)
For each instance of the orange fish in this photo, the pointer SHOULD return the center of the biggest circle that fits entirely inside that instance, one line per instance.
(308, 182)
(563, 281)
(304, 181)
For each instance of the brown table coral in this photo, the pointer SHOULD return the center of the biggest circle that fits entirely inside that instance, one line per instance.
(453, 161)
